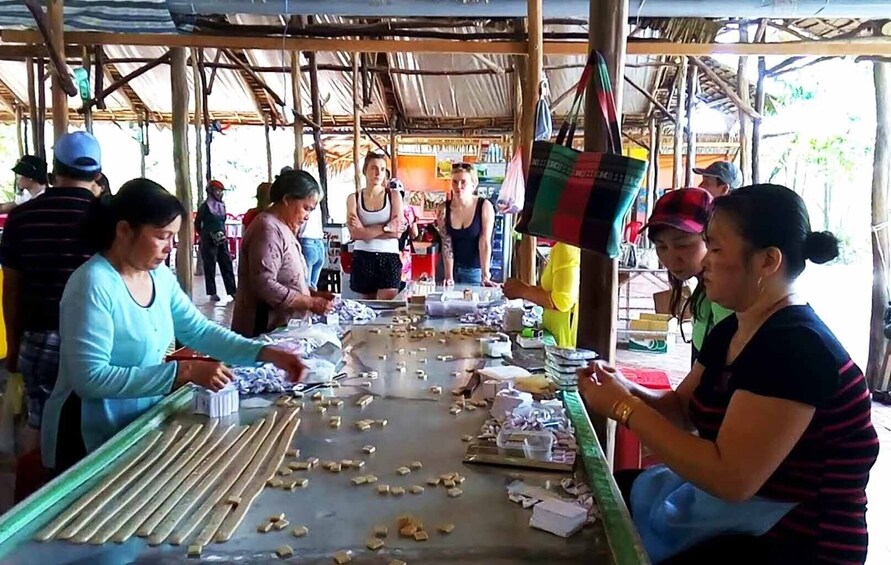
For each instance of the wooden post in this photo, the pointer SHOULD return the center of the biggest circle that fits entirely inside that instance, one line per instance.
(742, 88)
(32, 106)
(268, 149)
(54, 9)
(205, 112)
(692, 83)
(41, 105)
(534, 68)
(653, 168)
(19, 136)
(317, 132)
(881, 250)
(599, 286)
(179, 87)
(297, 102)
(357, 125)
(394, 145)
(679, 134)
(756, 128)
(86, 63)
(199, 149)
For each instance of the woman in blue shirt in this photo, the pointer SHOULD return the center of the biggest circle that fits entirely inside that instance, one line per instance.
(119, 314)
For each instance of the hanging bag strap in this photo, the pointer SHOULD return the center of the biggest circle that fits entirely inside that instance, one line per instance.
(596, 66)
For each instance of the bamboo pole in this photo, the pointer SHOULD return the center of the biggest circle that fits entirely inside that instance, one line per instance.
(681, 93)
(692, 83)
(56, 17)
(179, 87)
(199, 151)
(535, 63)
(297, 102)
(653, 168)
(599, 287)
(357, 125)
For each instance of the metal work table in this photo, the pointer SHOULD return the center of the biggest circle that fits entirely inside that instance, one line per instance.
(489, 528)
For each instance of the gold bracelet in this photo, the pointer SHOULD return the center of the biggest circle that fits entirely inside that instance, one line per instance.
(623, 409)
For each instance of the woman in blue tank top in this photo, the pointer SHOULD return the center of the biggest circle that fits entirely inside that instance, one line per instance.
(465, 224)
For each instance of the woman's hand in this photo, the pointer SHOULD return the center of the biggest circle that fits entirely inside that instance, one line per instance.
(284, 360)
(320, 305)
(514, 288)
(601, 387)
(211, 375)
(354, 222)
(323, 294)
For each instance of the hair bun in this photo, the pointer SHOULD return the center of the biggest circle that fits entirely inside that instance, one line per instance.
(821, 247)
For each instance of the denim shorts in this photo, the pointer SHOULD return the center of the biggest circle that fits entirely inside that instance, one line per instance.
(464, 275)
(39, 365)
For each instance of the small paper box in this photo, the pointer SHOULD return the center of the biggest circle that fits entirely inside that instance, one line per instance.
(215, 404)
(332, 319)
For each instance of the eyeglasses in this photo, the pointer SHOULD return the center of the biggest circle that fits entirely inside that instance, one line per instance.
(462, 167)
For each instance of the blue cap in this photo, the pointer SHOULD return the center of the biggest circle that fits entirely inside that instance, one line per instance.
(725, 171)
(80, 151)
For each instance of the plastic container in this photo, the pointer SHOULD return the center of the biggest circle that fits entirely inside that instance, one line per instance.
(527, 444)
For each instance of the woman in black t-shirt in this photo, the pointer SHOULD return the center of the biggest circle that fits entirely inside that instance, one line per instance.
(780, 409)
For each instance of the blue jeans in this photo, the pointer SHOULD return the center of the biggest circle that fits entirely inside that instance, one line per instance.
(464, 275)
(314, 253)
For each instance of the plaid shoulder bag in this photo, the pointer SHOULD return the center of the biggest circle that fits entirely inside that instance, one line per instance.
(581, 198)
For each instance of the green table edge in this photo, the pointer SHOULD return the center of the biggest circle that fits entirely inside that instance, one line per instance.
(621, 534)
(43, 504)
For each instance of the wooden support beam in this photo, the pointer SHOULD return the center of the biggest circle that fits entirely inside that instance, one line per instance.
(653, 168)
(599, 287)
(394, 146)
(357, 167)
(816, 61)
(681, 93)
(19, 135)
(881, 246)
(254, 81)
(99, 71)
(756, 127)
(658, 105)
(535, 67)
(50, 33)
(208, 133)
(179, 87)
(742, 86)
(297, 104)
(317, 133)
(739, 99)
(62, 85)
(268, 152)
(692, 86)
(32, 108)
(199, 131)
(126, 79)
(842, 47)
(40, 85)
(87, 64)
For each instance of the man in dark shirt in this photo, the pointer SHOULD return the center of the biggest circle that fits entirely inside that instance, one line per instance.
(40, 248)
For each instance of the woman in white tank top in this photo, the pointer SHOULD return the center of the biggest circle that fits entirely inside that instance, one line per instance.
(374, 218)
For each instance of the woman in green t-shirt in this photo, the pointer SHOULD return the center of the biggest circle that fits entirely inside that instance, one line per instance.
(677, 227)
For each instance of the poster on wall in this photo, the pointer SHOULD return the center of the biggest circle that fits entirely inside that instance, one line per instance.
(444, 162)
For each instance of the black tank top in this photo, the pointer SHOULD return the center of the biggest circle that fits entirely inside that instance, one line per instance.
(466, 241)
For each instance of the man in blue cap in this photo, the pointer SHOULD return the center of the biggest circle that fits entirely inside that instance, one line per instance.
(720, 177)
(40, 248)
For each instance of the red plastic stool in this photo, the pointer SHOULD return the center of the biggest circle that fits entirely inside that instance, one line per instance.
(629, 453)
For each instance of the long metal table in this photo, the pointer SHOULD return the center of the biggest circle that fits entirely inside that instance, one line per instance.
(489, 528)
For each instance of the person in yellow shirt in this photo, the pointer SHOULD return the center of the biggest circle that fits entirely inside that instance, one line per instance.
(557, 293)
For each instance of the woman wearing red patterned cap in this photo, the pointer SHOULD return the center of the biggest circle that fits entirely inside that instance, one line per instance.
(210, 225)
